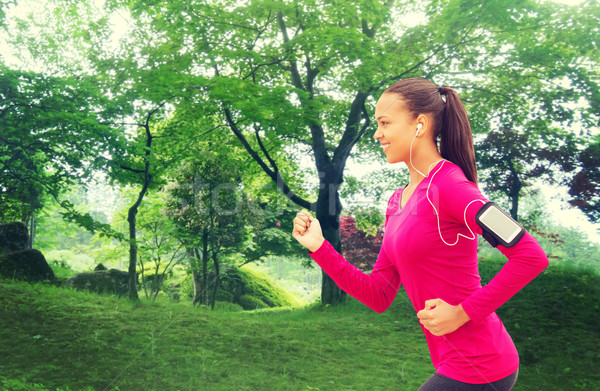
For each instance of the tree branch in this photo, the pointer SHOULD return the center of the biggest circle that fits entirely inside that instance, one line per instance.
(274, 175)
(264, 150)
(296, 79)
(131, 169)
(352, 133)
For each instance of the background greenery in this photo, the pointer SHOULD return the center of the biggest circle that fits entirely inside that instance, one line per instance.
(177, 140)
(62, 339)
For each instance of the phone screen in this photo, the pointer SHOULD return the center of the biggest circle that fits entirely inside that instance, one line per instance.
(499, 223)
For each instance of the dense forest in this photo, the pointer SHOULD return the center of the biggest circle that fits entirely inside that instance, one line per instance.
(156, 152)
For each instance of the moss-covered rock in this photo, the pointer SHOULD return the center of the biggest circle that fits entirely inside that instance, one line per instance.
(28, 265)
(243, 283)
(245, 287)
(248, 302)
(102, 281)
(13, 237)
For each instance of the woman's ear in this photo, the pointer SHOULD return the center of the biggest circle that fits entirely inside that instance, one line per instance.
(422, 124)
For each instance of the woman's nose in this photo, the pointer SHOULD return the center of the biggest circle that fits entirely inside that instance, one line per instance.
(377, 134)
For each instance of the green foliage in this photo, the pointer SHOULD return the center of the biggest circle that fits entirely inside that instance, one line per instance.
(248, 288)
(535, 101)
(206, 195)
(248, 302)
(368, 220)
(18, 385)
(584, 187)
(76, 262)
(61, 270)
(285, 78)
(87, 339)
(53, 232)
(160, 250)
(298, 275)
(371, 189)
(569, 247)
(47, 123)
(258, 285)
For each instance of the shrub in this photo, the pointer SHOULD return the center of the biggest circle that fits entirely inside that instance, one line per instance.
(251, 303)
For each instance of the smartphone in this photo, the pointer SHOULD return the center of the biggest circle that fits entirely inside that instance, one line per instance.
(498, 227)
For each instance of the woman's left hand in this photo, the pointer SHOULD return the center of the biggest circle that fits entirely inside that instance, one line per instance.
(441, 318)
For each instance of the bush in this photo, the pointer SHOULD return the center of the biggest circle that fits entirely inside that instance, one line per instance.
(77, 262)
(251, 303)
(239, 282)
(243, 281)
(62, 270)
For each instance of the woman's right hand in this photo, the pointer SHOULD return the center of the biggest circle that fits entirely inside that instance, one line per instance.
(307, 231)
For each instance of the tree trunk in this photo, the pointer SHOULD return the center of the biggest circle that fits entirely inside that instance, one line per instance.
(201, 279)
(31, 232)
(195, 255)
(131, 219)
(329, 208)
(131, 216)
(205, 266)
(216, 284)
(514, 192)
(133, 247)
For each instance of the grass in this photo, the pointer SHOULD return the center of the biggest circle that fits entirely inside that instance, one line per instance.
(59, 339)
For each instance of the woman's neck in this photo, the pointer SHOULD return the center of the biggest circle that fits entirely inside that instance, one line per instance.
(422, 168)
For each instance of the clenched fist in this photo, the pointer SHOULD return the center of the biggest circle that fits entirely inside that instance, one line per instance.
(307, 231)
(441, 318)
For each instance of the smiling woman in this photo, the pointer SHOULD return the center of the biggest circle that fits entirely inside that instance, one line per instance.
(430, 242)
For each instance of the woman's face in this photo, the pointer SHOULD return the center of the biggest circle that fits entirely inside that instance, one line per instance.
(396, 128)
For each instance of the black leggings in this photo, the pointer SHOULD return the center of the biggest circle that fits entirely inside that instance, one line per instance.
(439, 382)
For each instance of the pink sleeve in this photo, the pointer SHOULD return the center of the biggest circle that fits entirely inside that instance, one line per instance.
(376, 290)
(525, 261)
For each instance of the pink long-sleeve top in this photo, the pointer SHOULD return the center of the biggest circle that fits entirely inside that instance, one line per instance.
(414, 255)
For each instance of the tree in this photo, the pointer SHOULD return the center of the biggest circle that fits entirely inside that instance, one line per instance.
(47, 123)
(290, 77)
(358, 247)
(160, 249)
(513, 159)
(136, 167)
(269, 71)
(585, 185)
(535, 101)
(206, 204)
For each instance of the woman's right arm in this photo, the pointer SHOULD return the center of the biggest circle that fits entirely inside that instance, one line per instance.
(376, 290)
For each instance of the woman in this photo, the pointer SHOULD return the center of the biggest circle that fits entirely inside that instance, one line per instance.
(430, 242)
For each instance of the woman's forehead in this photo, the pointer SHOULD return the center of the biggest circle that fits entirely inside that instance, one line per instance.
(388, 104)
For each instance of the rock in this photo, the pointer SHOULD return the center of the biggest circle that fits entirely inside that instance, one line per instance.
(29, 265)
(101, 281)
(13, 237)
(100, 267)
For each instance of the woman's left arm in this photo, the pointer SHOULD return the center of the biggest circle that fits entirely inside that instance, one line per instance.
(526, 259)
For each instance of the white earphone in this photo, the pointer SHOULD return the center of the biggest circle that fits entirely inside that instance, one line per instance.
(419, 126)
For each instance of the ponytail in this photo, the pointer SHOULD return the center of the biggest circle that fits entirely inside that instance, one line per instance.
(450, 119)
(456, 141)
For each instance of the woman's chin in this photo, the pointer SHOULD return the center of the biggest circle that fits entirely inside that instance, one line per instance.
(391, 159)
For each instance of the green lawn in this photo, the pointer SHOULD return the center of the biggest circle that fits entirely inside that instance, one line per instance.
(53, 338)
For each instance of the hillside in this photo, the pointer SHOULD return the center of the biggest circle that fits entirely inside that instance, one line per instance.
(59, 339)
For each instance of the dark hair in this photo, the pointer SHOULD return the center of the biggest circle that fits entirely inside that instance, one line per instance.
(450, 120)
